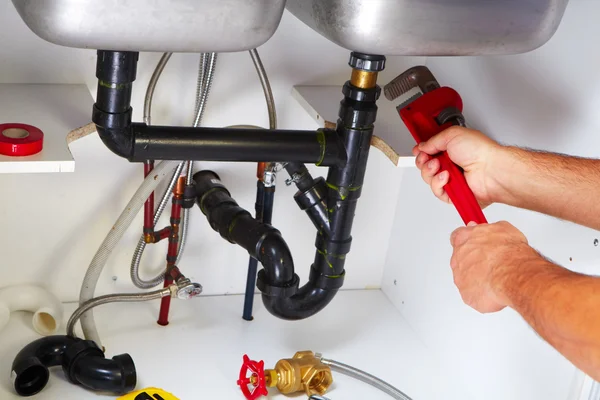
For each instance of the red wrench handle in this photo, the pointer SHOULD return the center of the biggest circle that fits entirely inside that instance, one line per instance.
(460, 193)
(420, 117)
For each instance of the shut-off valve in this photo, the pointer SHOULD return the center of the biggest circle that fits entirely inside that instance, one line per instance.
(302, 373)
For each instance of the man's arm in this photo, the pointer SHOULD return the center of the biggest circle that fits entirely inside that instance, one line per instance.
(562, 186)
(494, 267)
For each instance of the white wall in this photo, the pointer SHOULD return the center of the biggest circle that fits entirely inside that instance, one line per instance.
(547, 99)
(57, 221)
(53, 224)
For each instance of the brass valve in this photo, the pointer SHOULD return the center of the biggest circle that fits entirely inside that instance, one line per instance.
(301, 373)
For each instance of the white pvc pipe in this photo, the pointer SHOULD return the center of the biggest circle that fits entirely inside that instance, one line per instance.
(88, 287)
(46, 308)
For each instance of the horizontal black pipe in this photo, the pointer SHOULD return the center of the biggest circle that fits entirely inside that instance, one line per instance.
(116, 72)
(82, 362)
(320, 147)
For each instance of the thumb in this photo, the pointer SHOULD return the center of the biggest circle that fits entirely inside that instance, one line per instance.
(460, 236)
(439, 142)
(472, 223)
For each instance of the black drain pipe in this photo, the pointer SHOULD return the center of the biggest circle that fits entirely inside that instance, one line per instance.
(82, 362)
(116, 72)
(311, 196)
(344, 185)
(330, 204)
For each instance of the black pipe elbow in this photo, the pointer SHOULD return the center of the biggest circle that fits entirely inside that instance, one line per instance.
(311, 298)
(308, 301)
(82, 362)
(119, 141)
(116, 71)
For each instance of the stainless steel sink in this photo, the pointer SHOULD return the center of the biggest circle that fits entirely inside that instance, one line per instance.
(154, 25)
(433, 27)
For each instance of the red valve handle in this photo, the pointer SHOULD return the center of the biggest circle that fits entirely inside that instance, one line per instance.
(420, 119)
(256, 379)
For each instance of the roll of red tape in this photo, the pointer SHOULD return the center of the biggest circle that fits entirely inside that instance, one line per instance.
(19, 140)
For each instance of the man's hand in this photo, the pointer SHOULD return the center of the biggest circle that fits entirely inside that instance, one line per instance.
(484, 258)
(469, 149)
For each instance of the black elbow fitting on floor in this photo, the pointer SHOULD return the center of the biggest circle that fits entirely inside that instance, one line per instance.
(116, 71)
(82, 362)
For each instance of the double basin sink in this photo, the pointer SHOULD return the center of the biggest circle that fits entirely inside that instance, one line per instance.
(389, 27)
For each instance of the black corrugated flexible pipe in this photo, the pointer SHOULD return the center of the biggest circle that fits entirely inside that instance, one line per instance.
(82, 361)
(277, 280)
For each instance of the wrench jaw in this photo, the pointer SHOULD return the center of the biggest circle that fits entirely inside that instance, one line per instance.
(410, 85)
(407, 98)
(427, 109)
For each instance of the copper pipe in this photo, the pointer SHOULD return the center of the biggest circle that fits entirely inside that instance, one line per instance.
(149, 204)
(165, 305)
(260, 170)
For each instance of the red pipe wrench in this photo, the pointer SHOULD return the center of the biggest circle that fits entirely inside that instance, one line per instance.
(427, 109)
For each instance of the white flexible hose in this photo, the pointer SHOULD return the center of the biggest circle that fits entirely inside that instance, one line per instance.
(46, 308)
(115, 234)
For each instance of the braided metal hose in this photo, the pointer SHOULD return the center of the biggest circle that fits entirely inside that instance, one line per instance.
(206, 73)
(205, 78)
(364, 377)
(113, 298)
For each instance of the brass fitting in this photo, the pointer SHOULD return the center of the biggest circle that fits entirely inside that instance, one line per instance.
(303, 372)
(363, 79)
(148, 238)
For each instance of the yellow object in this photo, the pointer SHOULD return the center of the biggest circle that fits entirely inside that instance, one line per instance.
(149, 394)
(302, 373)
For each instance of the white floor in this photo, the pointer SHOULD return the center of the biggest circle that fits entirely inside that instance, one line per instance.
(199, 354)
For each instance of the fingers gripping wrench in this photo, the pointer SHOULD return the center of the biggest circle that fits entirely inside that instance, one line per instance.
(427, 109)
